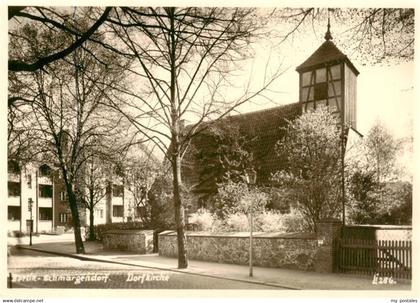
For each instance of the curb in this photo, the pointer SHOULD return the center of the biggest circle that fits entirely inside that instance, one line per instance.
(183, 271)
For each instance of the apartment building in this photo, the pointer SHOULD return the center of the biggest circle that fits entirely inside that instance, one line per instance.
(36, 192)
(30, 197)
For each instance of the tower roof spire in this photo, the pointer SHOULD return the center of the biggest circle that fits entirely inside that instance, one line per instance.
(328, 33)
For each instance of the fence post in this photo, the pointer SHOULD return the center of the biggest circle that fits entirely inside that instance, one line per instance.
(328, 233)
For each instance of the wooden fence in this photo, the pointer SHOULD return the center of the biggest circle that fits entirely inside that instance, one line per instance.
(387, 258)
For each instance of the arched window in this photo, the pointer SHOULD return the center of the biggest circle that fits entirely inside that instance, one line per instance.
(44, 171)
(13, 167)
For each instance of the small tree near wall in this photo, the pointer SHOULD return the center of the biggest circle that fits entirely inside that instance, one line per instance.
(311, 148)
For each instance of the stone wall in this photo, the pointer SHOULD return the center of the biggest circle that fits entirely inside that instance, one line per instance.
(328, 232)
(291, 250)
(139, 241)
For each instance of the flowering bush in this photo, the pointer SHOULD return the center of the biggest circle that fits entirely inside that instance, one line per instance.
(267, 221)
(203, 219)
(236, 222)
(270, 221)
(237, 219)
(295, 221)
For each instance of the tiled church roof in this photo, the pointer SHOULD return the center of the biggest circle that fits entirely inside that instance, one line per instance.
(263, 129)
(327, 52)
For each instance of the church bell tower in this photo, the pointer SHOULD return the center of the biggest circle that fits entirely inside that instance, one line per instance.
(328, 78)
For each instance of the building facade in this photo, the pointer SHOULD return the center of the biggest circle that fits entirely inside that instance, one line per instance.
(36, 192)
(30, 197)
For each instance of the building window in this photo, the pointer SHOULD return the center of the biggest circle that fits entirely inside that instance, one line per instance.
(44, 171)
(13, 167)
(45, 213)
(64, 217)
(63, 196)
(13, 189)
(45, 191)
(29, 180)
(13, 213)
(321, 91)
(320, 85)
(117, 190)
(117, 211)
(99, 212)
(321, 75)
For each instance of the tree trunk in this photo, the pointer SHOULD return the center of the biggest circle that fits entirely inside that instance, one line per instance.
(179, 212)
(176, 155)
(80, 249)
(91, 226)
(108, 203)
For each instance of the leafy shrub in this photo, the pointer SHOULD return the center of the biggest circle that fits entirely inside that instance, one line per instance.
(234, 197)
(229, 197)
(161, 202)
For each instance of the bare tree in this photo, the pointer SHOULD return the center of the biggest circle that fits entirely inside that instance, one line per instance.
(73, 120)
(139, 174)
(61, 24)
(375, 35)
(93, 185)
(186, 59)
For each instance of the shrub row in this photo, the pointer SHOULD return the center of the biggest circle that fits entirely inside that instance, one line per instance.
(267, 221)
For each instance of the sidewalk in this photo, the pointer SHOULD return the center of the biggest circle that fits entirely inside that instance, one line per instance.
(285, 278)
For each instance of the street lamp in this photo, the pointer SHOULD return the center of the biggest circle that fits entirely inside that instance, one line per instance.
(251, 178)
(30, 203)
(342, 168)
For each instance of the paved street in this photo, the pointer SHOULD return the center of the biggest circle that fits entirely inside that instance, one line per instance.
(40, 270)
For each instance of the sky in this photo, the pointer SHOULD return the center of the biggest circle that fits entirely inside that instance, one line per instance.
(384, 92)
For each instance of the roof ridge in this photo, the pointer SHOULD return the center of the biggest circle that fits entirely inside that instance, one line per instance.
(263, 110)
(240, 115)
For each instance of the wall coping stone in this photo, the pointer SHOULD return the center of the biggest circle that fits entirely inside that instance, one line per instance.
(245, 234)
(329, 220)
(403, 227)
(128, 232)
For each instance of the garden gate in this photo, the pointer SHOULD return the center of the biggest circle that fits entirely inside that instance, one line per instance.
(368, 255)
